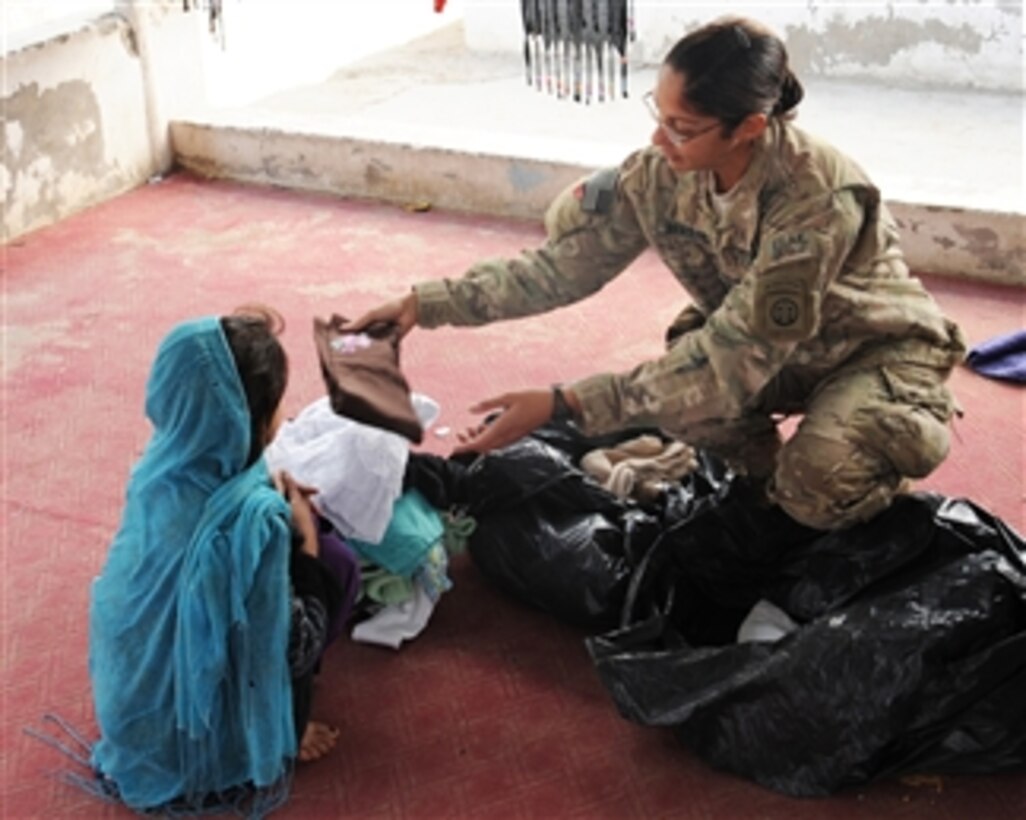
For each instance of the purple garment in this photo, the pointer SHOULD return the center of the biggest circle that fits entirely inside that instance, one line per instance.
(1003, 357)
(344, 564)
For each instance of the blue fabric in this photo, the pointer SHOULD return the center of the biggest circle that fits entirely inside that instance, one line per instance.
(414, 527)
(1003, 357)
(189, 618)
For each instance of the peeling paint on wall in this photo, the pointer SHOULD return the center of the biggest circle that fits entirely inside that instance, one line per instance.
(985, 245)
(75, 128)
(50, 138)
(874, 40)
(929, 43)
(988, 246)
(523, 177)
(376, 173)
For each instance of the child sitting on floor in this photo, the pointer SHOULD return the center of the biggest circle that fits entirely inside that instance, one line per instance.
(213, 608)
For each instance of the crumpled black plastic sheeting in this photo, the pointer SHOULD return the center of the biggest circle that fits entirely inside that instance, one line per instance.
(546, 533)
(910, 650)
(910, 654)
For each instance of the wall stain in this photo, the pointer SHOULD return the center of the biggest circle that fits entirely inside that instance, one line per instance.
(985, 245)
(375, 173)
(130, 40)
(875, 40)
(523, 177)
(50, 135)
(910, 225)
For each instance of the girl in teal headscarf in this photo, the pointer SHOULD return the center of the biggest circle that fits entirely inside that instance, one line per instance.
(190, 618)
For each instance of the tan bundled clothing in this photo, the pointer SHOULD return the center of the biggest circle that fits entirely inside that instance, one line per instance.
(641, 467)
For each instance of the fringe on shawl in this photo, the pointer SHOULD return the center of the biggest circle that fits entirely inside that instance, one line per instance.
(243, 801)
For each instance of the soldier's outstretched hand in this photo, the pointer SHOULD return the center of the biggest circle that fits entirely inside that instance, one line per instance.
(521, 413)
(401, 312)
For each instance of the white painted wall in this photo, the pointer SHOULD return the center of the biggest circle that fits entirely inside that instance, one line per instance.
(32, 21)
(943, 43)
(90, 86)
(261, 47)
(86, 111)
(74, 128)
(271, 45)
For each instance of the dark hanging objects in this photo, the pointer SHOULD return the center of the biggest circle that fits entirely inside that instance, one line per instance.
(215, 16)
(573, 47)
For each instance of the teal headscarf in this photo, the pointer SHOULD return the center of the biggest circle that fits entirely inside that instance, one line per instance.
(189, 618)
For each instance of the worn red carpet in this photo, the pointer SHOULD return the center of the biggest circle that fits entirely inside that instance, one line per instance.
(494, 711)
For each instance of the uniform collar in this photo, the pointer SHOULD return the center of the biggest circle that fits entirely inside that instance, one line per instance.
(694, 202)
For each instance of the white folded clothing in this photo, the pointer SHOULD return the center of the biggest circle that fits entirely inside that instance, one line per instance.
(393, 624)
(357, 469)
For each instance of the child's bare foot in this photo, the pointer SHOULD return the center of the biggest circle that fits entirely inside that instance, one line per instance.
(318, 740)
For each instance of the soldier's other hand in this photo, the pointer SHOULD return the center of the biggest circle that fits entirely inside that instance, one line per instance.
(520, 413)
(401, 312)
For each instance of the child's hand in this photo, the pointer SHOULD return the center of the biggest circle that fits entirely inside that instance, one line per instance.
(298, 496)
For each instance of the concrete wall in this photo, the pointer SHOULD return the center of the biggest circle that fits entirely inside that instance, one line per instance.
(31, 21)
(88, 99)
(946, 43)
(86, 113)
(74, 129)
(270, 45)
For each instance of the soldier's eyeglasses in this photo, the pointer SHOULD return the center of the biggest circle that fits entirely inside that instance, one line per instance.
(672, 134)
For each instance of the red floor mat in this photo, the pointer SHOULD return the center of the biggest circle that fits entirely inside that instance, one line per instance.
(495, 710)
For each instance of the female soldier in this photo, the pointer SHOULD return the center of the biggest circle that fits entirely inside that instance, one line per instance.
(801, 299)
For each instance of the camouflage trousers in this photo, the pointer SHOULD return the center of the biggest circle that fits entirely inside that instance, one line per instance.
(862, 433)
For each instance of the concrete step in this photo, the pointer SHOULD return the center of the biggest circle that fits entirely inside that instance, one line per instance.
(433, 122)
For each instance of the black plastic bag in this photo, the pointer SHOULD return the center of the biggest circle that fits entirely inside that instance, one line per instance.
(910, 653)
(545, 532)
(553, 537)
(571, 565)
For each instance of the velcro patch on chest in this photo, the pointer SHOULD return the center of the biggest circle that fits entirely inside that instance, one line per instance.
(792, 244)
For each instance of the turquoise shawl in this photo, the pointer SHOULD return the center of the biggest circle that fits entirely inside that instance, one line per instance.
(189, 618)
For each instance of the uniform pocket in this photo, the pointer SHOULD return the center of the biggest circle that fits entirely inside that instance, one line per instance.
(916, 418)
(921, 387)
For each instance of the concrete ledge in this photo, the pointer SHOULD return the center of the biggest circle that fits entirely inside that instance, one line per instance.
(982, 245)
(391, 172)
(433, 120)
(965, 243)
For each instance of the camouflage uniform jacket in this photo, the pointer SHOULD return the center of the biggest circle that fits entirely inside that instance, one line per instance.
(800, 274)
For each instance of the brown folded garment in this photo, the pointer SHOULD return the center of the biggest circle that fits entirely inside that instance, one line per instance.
(361, 371)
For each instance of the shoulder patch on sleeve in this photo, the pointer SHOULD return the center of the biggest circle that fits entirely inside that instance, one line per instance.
(599, 191)
(786, 303)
